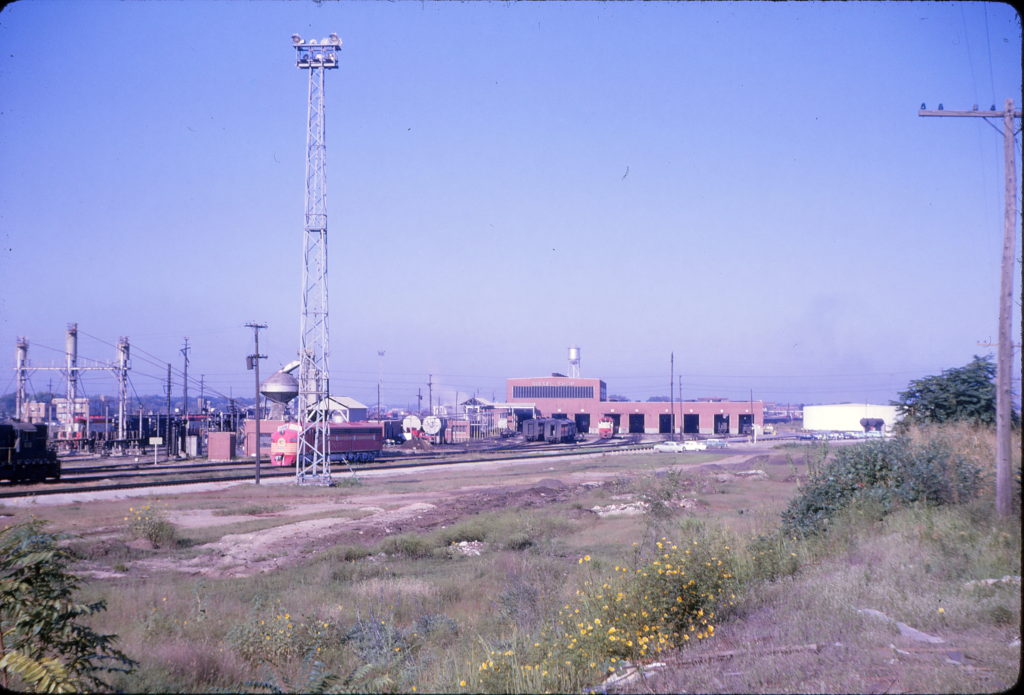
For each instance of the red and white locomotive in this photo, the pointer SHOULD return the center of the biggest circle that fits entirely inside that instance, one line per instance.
(351, 442)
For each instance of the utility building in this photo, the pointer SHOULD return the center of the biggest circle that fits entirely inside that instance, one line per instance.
(850, 417)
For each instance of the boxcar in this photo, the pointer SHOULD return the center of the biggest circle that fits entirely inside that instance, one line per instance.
(25, 455)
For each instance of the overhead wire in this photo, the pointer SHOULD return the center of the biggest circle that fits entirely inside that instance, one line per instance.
(174, 371)
(988, 46)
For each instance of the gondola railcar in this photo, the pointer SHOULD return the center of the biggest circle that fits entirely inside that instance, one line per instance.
(25, 455)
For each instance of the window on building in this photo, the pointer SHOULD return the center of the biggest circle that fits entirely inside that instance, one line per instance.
(553, 392)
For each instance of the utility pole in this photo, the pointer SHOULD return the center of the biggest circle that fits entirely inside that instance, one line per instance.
(672, 394)
(1004, 357)
(184, 407)
(203, 410)
(682, 417)
(419, 400)
(430, 392)
(168, 427)
(253, 362)
(380, 380)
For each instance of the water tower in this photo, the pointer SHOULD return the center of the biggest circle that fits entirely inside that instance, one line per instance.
(280, 388)
(574, 362)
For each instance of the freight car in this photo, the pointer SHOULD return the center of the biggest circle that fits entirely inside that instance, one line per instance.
(24, 453)
(352, 442)
(549, 429)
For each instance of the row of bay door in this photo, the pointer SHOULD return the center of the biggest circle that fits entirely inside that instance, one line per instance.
(691, 423)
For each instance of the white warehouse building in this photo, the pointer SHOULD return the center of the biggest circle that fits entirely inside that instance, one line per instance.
(850, 417)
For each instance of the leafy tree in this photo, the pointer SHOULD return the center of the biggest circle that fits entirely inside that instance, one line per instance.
(963, 393)
(43, 642)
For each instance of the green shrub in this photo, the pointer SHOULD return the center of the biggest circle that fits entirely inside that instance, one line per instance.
(145, 522)
(518, 541)
(769, 556)
(1001, 615)
(272, 636)
(348, 553)
(476, 528)
(250, 510)
(45, 642)
(664, 603)
(888, 473)
(408, 544)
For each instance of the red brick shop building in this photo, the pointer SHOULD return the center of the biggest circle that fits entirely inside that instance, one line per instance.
(585, 400)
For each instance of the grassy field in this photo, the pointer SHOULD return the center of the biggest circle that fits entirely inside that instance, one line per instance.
(494, 584)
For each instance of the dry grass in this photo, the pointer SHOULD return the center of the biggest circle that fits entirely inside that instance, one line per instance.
(976, 443)
(438, 610)
(912, 566)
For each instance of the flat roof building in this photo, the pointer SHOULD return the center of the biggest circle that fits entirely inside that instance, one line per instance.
(585, 400)
(850, 417)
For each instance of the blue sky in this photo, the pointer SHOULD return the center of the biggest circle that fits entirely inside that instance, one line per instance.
(746, 184)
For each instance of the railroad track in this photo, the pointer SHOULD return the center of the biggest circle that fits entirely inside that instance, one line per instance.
(132, 475)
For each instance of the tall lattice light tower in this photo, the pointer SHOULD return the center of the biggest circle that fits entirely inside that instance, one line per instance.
(313, 464)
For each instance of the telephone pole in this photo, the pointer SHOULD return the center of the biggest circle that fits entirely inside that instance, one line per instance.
(253, 362)
(184, 407)
(682, 417)
(1004, 356)
(430, 393)
(672, 395)
(168, 432)
(380, 380)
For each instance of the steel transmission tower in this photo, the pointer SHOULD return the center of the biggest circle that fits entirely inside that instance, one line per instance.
(313, 464)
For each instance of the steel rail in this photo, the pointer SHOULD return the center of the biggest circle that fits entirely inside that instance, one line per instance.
(289, 471)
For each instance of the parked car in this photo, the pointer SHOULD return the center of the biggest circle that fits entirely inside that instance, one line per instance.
(671, 447)
(716, 444)
(693, 445)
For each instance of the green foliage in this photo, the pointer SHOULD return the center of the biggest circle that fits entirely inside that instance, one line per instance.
(272, 636)
(888, 473)
(43, 642)
(770, 556)
(145, 522)
(408, 544)
(511, 530)
(250, 510)
(964, 393)
(663, 602)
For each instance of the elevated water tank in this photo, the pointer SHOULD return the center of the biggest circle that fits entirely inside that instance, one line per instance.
(280, 387)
